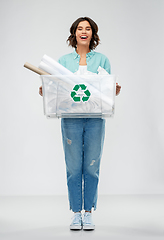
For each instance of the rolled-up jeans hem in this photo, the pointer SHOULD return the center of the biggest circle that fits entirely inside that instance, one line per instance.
(75, 210)
(89, 209)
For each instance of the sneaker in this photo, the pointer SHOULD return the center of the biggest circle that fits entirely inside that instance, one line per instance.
(76, 222)
(87, 221)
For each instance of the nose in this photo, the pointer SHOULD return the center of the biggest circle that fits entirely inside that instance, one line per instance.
(83, 31)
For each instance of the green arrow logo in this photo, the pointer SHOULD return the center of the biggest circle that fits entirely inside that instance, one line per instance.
(80, 93)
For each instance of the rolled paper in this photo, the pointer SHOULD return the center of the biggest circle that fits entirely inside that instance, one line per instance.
(57, 66)
(48, 68)
(35, 69)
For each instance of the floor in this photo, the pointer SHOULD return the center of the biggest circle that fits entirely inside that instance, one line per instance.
(48, 217)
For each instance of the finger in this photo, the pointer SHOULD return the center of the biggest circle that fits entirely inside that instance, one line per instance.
(40, 92)
(117, 91)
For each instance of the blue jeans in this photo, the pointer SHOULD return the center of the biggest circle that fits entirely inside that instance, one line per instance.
(83, 140)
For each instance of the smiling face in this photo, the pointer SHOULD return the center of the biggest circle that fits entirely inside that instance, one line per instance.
(83, 33)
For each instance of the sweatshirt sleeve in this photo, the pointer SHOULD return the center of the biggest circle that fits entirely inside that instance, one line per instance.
(107, 65)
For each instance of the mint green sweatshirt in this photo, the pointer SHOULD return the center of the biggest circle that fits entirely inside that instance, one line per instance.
(93, 59)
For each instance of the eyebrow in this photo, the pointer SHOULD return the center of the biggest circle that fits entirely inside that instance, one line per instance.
(86, 26)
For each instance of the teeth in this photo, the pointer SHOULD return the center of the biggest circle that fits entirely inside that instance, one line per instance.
(83, 37)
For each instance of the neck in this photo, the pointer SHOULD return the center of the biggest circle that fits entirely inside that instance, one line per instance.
(82, 50)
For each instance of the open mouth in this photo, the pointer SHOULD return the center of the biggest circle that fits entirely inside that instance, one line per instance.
(83, 37)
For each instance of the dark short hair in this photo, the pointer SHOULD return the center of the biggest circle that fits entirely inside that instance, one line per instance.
(95, 40)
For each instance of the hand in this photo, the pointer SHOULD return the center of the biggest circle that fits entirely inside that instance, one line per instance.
(40, 91)
(118, 88)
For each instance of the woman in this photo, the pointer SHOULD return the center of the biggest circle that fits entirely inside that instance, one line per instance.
(83, 138)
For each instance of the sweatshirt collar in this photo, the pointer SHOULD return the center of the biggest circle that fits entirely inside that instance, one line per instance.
(76, 55)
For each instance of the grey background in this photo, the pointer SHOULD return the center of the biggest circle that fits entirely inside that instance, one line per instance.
(132, 37)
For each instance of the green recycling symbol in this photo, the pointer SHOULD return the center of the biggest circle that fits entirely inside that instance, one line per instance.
(83, 90)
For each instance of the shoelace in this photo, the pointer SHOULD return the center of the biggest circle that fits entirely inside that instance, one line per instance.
(76, 218)
(87, 218)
